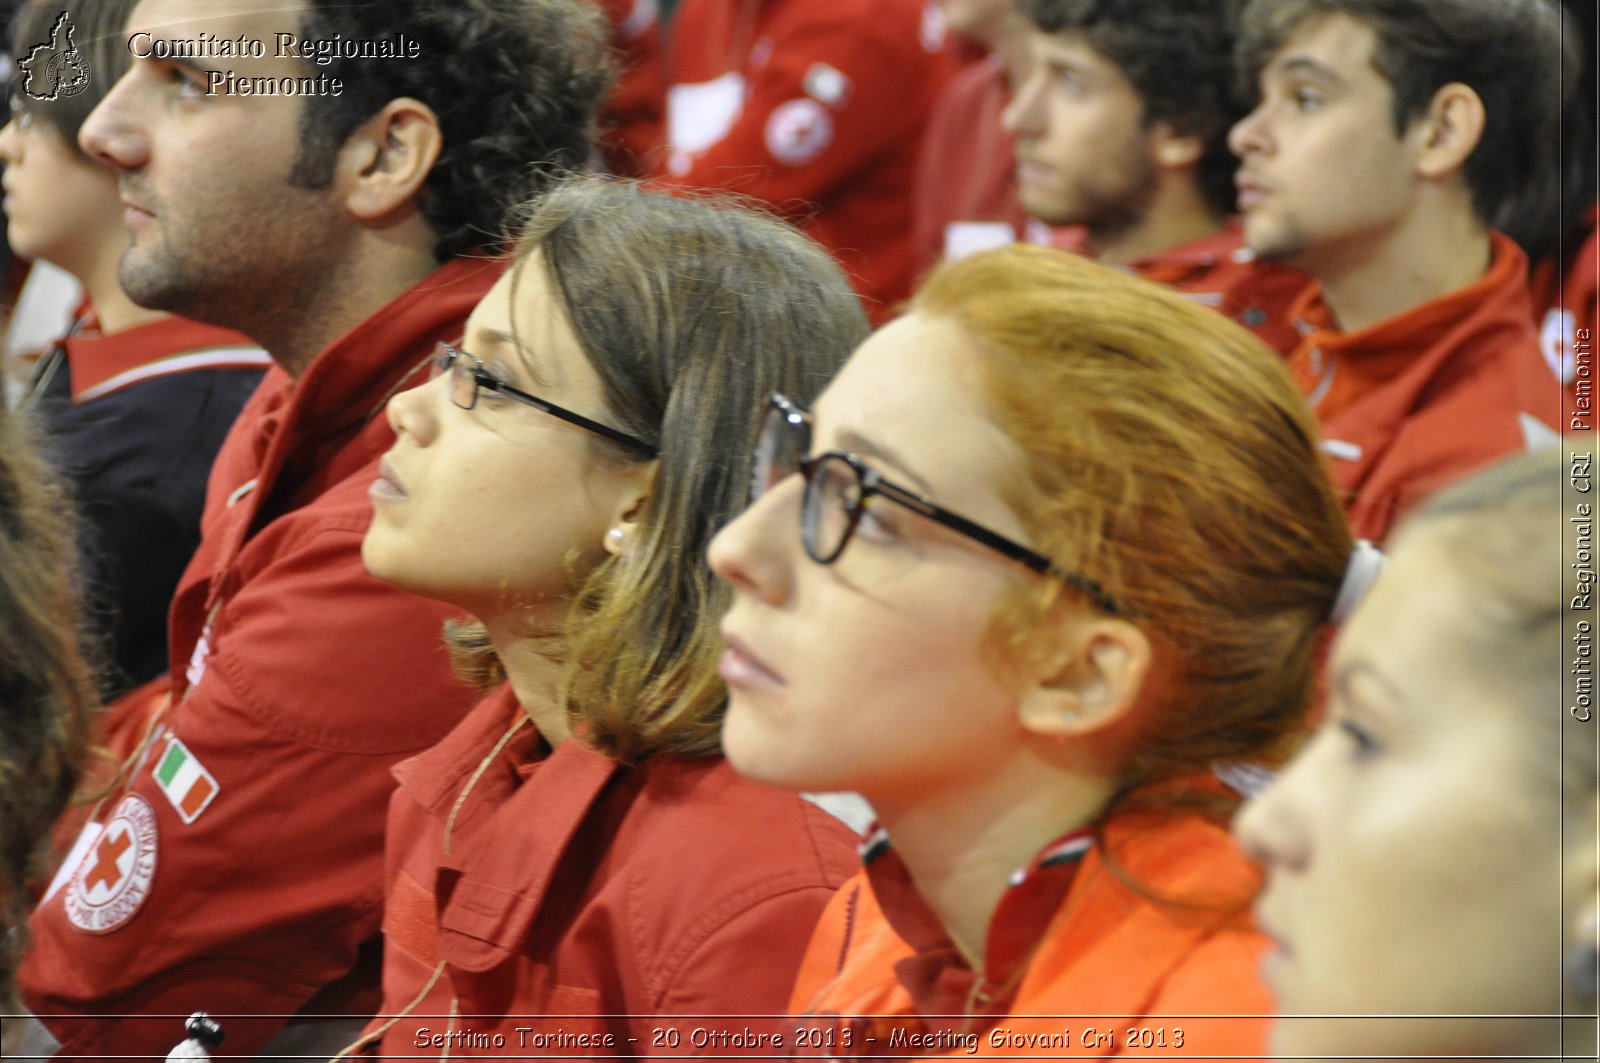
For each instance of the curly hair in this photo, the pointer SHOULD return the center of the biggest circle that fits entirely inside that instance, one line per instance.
(1510, 52)
(1177, 55)
(47, 694)
(516, 85)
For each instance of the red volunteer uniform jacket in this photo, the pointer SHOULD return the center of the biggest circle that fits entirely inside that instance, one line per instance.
(965, 197)
(559, 903)
(1417, 401)
(1076, 964)
(239, 868)
(631, 124)
(1566, 307)
(816, 108)
(135, 418)
(1220, 272)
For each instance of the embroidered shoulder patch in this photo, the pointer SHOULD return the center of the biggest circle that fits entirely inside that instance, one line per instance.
(798, 131)
(114, 879)
(185, 781)
(827, 84)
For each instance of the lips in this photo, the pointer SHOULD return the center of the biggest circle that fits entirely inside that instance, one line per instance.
(387, 485)
(741, 668)
(1251, 192)
(133, 206)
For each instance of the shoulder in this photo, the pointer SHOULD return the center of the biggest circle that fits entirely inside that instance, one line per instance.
(745, 835)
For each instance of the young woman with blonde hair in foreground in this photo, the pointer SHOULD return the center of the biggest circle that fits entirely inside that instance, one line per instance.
(1432, 852)
(576, 858)
(1050, 548)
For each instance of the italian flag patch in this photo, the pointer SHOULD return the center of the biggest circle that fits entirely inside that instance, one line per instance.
(185, 781)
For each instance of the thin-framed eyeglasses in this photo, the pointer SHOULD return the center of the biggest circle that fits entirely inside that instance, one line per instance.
(468, 376)
(838, 485)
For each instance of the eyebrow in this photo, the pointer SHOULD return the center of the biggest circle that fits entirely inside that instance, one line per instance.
(858, 444)
(529, 364)
(1305, 66)
(1345, 679)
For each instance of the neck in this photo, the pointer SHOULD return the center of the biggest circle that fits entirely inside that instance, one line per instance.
(961, 846)
(1366, 281)
(535, 675)
(1177, 215)
(97, 272)
(112, 307)
(365, 282)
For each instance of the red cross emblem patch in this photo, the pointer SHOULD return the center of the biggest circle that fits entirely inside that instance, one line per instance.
(114, 878)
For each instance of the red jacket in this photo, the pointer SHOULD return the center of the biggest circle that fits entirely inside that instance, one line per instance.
(631, 124)
(817, 109)
(1419, 400)
(965, 197)
(882, 979)
(1220, 272)
(565, 896)
(241, 870)
(1566, 307)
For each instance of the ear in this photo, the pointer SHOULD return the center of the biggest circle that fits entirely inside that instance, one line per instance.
(1172, 150)
(1446, 134)
(639, 481)
(385, 161)
(1092, 681)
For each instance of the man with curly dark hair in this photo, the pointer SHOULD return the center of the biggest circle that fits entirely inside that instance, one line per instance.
(1121, 130)
(325, 177)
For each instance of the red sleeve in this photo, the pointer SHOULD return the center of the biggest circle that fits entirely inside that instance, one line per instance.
(792, 147)
(242, 869)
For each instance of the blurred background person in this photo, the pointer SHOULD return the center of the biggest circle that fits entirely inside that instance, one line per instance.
(1121, 133)
(1432, 851)
(819, 110)
(965, 196)
(134, 402)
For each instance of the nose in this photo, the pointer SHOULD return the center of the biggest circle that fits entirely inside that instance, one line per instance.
(10, 142)
(414, 412)
(755, 552)
(1249, 134)
(1272, 827)
(113, 135)
(1022, 117)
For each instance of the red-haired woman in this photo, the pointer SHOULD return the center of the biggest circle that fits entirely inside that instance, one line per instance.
(1050, 547)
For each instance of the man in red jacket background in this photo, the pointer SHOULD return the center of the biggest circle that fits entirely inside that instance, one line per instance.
(1388, 132)
(332, 201)
(817, 109)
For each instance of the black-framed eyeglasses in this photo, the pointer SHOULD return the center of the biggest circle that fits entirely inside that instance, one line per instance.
(837, 486)
(468, 376)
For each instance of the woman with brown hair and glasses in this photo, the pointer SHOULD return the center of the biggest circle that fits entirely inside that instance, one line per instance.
(576, 857)
(1064, 549)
